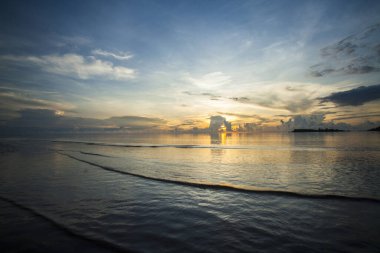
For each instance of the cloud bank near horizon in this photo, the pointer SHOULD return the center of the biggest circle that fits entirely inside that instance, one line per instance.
(53, 120)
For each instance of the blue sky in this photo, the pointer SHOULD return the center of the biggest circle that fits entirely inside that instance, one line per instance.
(183, 61)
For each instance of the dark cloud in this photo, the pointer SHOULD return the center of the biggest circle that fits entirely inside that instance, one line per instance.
(344, 47)
(45, 118)
(321, 72)
(354, 97)
(240, 99)
(355, 54)
(14, 100)
(50, 119)
(11, 102)
(206, 94)
(360, 69)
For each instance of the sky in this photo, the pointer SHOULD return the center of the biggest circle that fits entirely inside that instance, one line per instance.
(163, 65)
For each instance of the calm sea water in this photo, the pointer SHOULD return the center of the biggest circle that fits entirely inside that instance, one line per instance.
(270, 192)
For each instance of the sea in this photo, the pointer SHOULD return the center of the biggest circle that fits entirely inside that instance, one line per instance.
(259, 192)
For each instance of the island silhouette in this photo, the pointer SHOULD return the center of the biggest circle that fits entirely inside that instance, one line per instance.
(302, 130)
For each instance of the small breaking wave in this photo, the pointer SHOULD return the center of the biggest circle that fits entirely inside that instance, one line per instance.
(95, 154)
(234, 188)
(82, 152)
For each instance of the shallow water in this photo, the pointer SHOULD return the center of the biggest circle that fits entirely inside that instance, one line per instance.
(304, 192)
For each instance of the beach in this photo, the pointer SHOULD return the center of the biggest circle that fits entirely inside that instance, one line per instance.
(314, 192)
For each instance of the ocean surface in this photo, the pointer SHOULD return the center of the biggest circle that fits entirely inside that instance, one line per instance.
(264, 192)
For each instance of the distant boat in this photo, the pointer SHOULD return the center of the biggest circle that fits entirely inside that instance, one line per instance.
(303, 130)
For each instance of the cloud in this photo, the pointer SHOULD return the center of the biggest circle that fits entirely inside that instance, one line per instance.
(321, 72)
(128, 121)
(259, 120)
(307, 121)
(291, 98)
(356, 116)
(188, 124)
(123, 56)
(356, 54)
(354, 68)
(276, 101)
(354, 97)
(294, 97)
(74, 65)
(315, 121)
(312, 121)
(210, 80)
(239, 115)
(294, 88)
(241, 99)
(13, 100)
(53, 119)
(206, 94)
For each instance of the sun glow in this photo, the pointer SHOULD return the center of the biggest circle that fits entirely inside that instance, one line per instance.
(59, 113)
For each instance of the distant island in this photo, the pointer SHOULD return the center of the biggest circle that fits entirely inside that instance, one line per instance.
(376, 129)
(302, 130)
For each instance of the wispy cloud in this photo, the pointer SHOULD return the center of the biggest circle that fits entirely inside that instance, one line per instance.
(357, 116)
(210, 80)
(77, 66)
(119, 55)
(355, 54)
(280, 97)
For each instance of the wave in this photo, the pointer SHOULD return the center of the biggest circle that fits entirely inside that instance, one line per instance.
(101, 243)
(82, 152)
(139, 145)
(95, 154)
(234, 188)
(188, 146)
